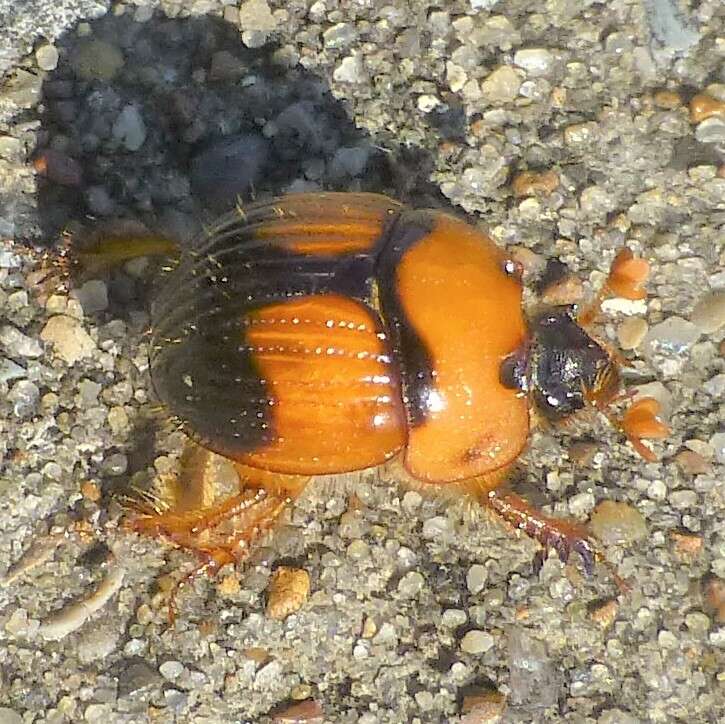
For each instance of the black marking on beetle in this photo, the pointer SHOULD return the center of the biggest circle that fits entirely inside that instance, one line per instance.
(416, 362)
(201, 364)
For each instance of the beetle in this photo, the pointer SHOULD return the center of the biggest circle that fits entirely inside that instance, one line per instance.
(323, 333)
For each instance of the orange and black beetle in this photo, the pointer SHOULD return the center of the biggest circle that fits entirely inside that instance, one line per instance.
(324, 333)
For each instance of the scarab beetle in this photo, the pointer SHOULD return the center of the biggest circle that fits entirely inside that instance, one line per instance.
(323, 333)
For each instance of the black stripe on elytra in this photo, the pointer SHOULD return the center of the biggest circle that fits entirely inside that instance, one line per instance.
(416, 362)
(201, 367)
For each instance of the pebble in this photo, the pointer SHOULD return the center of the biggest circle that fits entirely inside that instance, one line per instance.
(256, 15)
(287, 592)
(683, 499)
(579, 134)
(115, 464)
(614, 523)
(692, 463)
(9, 370)
(440, 528)
(673, 337)
(17, 344)
(92, 295)
(717, 442)
(709, 313)
(631, 332)
(9, 716)
(129, 128)
(230, 167)
(350, 70)
(302, 712)
(46, 56)
(713, 592)
(70, 341)
(668, 100)
(581, 504)
(715, 386)
(339, 36)
(97, 60)
(58, 167)
(536, 62)
(427, 103)
(386, 636)
(704, 106)
(171, 670)
(535, 183)
(456, 76)
(453, 618)
(411, 584)
(412, 501)
(477, 642)
(476, 578)
(711, 130)
(349, 162)
(501, 86)
(686, 545)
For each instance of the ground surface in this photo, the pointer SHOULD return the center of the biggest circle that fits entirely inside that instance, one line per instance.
(415, 604)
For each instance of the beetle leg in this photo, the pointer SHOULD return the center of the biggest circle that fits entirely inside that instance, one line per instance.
(627, 277)
(559, 534)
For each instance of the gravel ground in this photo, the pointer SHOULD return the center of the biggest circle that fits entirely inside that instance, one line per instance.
(419, 610)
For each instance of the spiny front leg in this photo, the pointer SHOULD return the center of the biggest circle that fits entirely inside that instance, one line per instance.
(559, 534)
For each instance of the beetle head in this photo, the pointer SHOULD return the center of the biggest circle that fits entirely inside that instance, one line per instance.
(561, 367)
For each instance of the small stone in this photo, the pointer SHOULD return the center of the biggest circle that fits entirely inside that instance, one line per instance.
(536, 62)
(9, 716)
(349, 162)
(579, 134)
(715, 386)
(709, 313)
(667, 100)
(683, 499)
(605, 614)
(713, 591)
(91, 491)
(582, 452)
(717, 442)
(411, 584)
(118, 420)
(129, 128)
(70, 341)
(115, 464)
(703, 106)
(350, 70)
(424, 700)
(229, 167)
(631, 332)
(339, 36)
(288, 590)
(453, 618)
(581, 504)
(711, 130)
(46, 56)
(439, 528)
(687, 546)
(614, 523)
(535, 183)
(58, 167)
(358, 550)
(411, 501)
(171, 670)
(256, 15)
(92, 295)
(477, 642)
(9, 370)
(456, 76)
(501, 86)
(97, 60)
(386, 636)
(691, 463)
(667, 640)
(17, 623)
(563, 292)
(25, 396)
(482, 707)
(428, 103)
(476, 578)
(671, 338)
(302, 712)
(17, 344)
